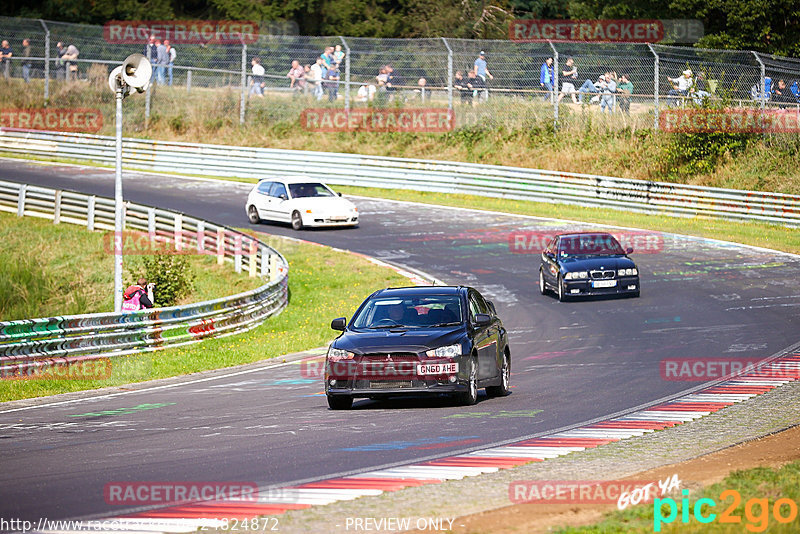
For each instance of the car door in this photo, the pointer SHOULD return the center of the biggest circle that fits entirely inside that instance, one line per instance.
(262, 200)
(484, 337)
(550, 261)
(279, 205)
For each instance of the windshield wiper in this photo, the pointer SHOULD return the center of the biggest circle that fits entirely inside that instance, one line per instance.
(446, 324)
(387, 326)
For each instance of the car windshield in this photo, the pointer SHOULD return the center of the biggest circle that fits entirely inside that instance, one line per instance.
(589, 245)
(311, 189)
(432, 311)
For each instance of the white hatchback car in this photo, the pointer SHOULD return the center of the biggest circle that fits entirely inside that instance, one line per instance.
(301, 201)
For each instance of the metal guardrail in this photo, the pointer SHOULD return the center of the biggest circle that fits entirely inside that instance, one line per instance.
(419, 175)
(31, 343)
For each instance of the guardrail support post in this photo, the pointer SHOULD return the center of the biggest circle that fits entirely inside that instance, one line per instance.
(57, 207)
(201, 237)
(449, 74)
(273, 270)
(90, 213)
(21, 200)
(46, 62)
(237, 253)
(220, 246)
(252, 259)
(346, 74)
(178, 225)
(264, 262)
(243, 82)
(655, 86)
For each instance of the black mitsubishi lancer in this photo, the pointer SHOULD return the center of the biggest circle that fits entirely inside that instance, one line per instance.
(587, 263)
(419, 340)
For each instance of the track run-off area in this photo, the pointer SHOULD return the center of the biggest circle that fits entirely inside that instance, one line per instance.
(572, 362)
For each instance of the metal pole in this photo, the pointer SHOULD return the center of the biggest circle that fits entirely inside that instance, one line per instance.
(189, 82)
(655, 85)
(46, 61)
(242, 98)
(449, 74)
(763, 84)
(118, 206)
(554, 95)
(147, 104)
(346, 74)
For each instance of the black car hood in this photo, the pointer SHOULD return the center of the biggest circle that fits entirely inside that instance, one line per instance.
(590, 263)
(399, 340)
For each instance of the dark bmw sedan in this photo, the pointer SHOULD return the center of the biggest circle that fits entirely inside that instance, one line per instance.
(587, 263)
(418, 340)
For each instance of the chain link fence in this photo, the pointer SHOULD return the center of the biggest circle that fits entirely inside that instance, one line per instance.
(215, 82)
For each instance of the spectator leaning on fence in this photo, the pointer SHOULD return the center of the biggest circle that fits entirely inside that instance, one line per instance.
(681, 86)
(26, 63)
(172, 54)
(475, 84)
(151, 50)
(782, 95)
(608, 88)
(625, 88)
(460, 85)
(570, 75)
(591, 87)
(257, 87)
(297, 76)
(547, 77)
(482, 72)
(5, 58)
(72, 65)
(61, 67)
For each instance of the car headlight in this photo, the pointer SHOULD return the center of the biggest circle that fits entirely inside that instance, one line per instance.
(576, 275)
(450, 351)
(335, 355)
(628, 272)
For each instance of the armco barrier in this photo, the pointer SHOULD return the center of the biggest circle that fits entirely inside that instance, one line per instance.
(419, 175)
(31, 343)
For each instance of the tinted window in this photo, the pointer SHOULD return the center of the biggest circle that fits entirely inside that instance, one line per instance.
(476, 305)
(277, 190)
(589, 244)
(416, 312)
(264, 187)
(310, 189)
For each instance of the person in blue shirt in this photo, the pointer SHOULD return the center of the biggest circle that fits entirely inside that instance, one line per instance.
(547, 77)
(482, 72)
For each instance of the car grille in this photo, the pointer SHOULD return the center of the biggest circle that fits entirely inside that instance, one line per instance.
(389, 384)
(395, 356)
(601, 275)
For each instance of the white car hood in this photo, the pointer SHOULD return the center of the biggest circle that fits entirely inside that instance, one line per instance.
(324, 204)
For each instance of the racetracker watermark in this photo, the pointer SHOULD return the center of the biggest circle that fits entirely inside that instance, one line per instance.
(181, 31)
(621, 492)
(56, 119)
(621, 31)
(705, 369)
(135, 242)
(423, 120)
(730, 121)
(174, 492)
(536, 242)
(96, 369)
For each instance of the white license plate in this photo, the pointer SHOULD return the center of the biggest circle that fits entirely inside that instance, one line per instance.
(437, 368)
(604, 283)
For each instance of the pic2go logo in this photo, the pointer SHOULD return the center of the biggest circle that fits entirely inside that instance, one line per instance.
(756, 511)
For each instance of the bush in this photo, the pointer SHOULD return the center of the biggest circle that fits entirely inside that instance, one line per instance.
(172, 275)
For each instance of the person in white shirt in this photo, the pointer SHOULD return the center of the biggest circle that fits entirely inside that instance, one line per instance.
(681, 86)
(257, 87)
(316, 78)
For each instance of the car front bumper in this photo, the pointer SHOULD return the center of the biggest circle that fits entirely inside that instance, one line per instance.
(624, 285)
(321, 221)
(366, 388)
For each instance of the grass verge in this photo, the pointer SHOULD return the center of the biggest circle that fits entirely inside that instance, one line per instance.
(76, 275)
(758, 488)
(323, 284)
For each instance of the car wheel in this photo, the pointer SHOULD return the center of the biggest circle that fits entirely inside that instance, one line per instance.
(470, 397)
(297, 221)
(340, 402)
(505, 375)
(562, 296)
(542, 287)
(252, 215)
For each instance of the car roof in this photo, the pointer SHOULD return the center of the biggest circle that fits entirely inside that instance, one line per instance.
(417, 291)
(577, 234)
(296, 179)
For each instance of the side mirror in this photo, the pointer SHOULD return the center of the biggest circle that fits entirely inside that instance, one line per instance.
(282, 196)
(339, 193)
(482, 319)
(491, 306)
(629, 250)
(339, 324)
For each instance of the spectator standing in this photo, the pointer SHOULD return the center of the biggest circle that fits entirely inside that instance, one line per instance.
(625, 87)
(151, 50)
(162, 59)
(257, 87)
(172, 54)
(327, 57)
(392, 80)
(61, 67)
(383, 93)
(316, 78)
(482, 72)
(475, 84)
(297, 75)
(547, 77)
(72, 65)
(460, 84)
(570, 75)
(681, 86)
(5, 58)
(338, 55)
(422, 82)
(332, 84)
(26, 63)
